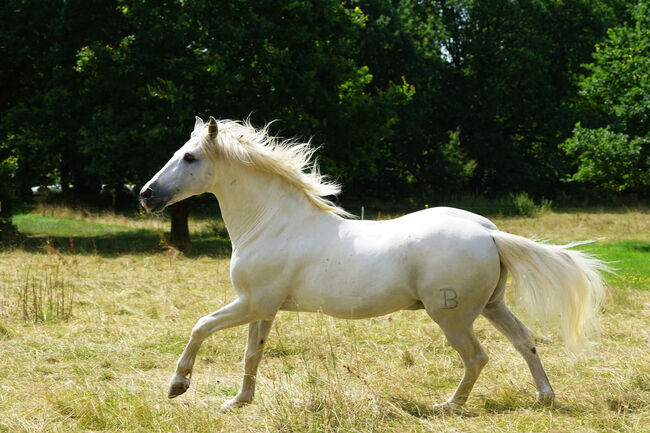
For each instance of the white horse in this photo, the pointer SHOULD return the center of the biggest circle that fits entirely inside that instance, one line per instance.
(292, 249)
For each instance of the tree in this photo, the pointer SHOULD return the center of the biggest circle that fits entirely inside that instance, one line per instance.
(613, 151)
(8, 195)
(518, 62)
(172, 60)
(295, 61)
(42, 103)
(494, 88)
(401, 43)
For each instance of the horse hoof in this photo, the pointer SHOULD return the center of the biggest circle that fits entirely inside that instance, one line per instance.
(545, 399)
(178, 388)
(232, 404)
(446, 407)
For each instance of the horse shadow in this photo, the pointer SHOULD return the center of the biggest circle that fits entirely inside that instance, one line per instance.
(495, 406)
(418, 409)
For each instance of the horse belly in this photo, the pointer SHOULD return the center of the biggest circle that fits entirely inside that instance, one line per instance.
(353, 290)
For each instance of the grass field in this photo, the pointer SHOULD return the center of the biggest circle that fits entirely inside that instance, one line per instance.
(106, 367)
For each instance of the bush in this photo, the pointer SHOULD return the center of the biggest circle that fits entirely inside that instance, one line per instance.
(511, 205)
(610, 160)
(525, 206)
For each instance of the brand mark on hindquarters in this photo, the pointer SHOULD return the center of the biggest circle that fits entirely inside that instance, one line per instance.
(450, 298)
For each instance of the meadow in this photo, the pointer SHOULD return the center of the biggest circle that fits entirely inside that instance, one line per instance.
(95, 308)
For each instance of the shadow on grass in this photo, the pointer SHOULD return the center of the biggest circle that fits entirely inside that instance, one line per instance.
(500, 405)
(116, 244)
(642, 247)
(514, 403)
(420, 410)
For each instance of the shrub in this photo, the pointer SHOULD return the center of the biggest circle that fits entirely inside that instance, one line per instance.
(611, 160)
(523, 205)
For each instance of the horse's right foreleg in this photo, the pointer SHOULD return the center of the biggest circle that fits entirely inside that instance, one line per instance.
(234, 314)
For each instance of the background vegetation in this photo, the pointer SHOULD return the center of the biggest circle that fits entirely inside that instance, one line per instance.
(412, 101)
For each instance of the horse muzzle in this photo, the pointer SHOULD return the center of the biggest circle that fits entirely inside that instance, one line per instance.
(151, 200)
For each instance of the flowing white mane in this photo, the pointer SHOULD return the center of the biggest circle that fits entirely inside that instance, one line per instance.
(287, 158)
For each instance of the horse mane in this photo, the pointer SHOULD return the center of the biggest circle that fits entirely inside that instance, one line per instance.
(290, 159)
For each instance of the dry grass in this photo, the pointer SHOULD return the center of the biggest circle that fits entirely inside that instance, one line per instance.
(107, 367)
(569, 226)
(45, 295)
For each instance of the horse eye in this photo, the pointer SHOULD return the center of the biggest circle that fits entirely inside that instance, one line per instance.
(188, 157)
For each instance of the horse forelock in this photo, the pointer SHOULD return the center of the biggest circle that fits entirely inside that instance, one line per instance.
(290, 159)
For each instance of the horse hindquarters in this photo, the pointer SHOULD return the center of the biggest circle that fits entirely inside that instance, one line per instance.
(466, 274)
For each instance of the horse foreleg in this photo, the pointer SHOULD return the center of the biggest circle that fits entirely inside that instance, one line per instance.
(234, 314)
(257, 335)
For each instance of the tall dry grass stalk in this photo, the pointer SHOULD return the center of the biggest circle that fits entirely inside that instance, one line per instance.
(44, 292)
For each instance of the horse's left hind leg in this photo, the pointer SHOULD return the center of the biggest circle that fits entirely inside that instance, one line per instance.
(474, 357)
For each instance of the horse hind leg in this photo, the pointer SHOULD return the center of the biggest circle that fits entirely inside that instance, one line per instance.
(523, 339)
(463, 340)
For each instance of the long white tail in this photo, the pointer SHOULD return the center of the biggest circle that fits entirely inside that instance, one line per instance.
(555, 284)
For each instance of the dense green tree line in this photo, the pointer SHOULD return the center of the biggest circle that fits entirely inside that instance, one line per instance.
(409, 98)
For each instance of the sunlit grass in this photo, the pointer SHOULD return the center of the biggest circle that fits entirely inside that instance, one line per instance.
(55, 220)
(579, 225)
(43, 225)
(106, 368)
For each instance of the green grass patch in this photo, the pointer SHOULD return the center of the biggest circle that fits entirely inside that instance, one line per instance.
(108, 239)
(629, 259)
(41, 225)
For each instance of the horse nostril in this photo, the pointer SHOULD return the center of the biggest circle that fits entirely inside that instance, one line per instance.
(147, 193)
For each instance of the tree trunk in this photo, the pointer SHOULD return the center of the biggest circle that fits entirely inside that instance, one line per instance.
(8, 233)
(180, 232)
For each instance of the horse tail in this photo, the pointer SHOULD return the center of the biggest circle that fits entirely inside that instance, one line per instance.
(555, 284)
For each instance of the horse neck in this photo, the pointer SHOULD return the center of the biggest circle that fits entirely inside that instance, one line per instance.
(252, 200)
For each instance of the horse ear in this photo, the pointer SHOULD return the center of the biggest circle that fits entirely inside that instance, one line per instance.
(213, 129)
(198, 123)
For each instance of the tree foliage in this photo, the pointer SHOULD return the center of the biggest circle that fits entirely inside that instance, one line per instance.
(407, 99)
(614, 152)
(614, 161)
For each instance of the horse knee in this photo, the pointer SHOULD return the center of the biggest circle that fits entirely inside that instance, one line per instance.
(200, 331)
